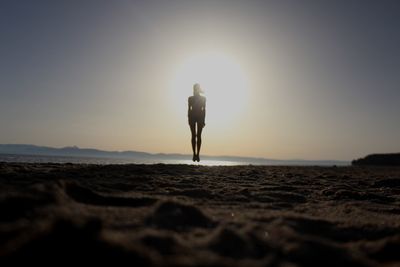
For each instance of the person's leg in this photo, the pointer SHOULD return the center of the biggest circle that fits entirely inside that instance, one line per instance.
(199, 130)
(193, 130)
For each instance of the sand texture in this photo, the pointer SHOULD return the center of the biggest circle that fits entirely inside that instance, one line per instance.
(183, 215)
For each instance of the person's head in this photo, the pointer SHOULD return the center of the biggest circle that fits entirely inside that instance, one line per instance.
(197, 89)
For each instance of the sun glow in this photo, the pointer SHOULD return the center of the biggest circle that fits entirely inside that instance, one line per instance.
(223, 81)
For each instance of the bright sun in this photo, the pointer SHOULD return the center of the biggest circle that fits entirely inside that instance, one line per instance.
(224, 83)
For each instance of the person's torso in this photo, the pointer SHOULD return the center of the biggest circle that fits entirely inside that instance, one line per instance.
(197, 104)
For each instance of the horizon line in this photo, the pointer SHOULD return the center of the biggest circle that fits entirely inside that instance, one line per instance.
(180, 154)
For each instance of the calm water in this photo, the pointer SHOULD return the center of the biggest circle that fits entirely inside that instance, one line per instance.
(89, 160)
(208, 162)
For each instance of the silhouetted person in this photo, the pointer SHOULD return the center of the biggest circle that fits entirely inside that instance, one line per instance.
(196, 116)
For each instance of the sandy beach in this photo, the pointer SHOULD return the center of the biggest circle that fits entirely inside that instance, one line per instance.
(187, 215)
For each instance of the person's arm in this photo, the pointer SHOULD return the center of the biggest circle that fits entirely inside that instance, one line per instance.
(204, 111)
(188, 108)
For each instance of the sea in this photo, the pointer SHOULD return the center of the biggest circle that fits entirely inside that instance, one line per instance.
(18, 158)
(104, 161)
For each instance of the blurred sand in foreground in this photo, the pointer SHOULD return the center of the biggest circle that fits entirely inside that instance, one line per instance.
(185, 215)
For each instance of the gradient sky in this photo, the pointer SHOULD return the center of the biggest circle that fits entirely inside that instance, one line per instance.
(323, 76)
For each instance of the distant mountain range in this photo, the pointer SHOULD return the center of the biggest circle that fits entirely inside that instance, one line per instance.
(74, 151)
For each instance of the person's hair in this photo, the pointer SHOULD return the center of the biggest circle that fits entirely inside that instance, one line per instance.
(196, 88)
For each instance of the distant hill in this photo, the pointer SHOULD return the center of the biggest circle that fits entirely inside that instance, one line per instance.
(74, 151)
(22, 149)
(379, 160)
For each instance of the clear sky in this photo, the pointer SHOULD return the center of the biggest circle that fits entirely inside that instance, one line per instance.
(283, 79)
